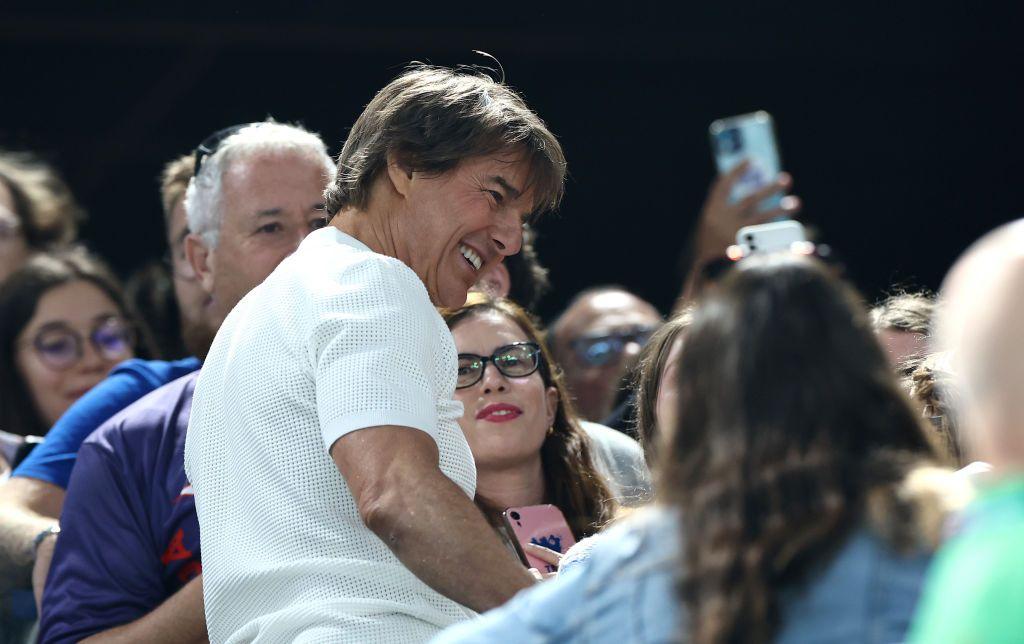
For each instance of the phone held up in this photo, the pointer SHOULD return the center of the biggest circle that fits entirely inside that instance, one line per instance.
(542, 525)
(748, 137)
(773, 237)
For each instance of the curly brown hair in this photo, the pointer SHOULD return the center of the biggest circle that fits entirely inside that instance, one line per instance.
(44, 205)
(571, 481)
(790, 421)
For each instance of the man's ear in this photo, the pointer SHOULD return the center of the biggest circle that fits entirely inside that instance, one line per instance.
(399, 174)
(201, 257)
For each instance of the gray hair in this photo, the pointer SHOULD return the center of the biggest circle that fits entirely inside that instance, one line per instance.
(203, 198)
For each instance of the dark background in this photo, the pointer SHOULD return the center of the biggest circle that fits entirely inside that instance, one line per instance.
(901, 125)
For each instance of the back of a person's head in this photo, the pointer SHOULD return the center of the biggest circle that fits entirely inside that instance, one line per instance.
(788, 417)
(979, 326)
(908, 312)
(429, 119)
(46, 209)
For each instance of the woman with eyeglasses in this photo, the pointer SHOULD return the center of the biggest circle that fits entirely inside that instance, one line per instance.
(63, 327)
(527, 441)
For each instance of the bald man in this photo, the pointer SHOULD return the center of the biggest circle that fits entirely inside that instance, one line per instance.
(596, 341)
(975, 591)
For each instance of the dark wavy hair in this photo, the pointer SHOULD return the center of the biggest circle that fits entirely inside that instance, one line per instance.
(431, 118)
(572, 483)
(790, 423)
(19, 296)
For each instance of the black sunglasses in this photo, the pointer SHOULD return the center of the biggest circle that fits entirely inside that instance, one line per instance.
(516, 360)
(211, 143)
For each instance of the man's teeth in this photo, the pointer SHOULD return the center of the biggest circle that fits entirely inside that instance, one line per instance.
(473, 258)
(501, 412)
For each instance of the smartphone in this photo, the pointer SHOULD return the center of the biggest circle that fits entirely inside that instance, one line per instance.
(543, 525)
(751, 137)
(770, 238)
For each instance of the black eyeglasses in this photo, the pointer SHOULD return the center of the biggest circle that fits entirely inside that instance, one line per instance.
(600, 349)
(211, 143)
(516, 360)
(60, 347)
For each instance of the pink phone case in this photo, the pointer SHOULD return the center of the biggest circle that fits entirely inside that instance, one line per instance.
(543, 525)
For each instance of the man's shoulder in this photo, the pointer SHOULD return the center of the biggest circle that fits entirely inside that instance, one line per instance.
(153, 372)
(148, 420)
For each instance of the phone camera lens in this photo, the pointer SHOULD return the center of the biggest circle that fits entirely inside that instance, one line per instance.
(514, 515)
(750, 237)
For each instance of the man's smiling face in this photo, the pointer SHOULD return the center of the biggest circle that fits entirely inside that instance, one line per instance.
(457, 225)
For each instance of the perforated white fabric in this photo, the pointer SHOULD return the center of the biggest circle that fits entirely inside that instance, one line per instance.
(337, 339)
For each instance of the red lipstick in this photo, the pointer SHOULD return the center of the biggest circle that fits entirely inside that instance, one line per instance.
(499, 413)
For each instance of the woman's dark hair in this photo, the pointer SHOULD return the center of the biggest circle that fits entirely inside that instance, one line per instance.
(647, 378)
(790, 423)
(47, 211)
(19, 296)
(571, 481)
(149, 294)
(431, 118)
(528, 278)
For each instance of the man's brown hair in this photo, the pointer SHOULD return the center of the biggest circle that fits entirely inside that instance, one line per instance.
(431, 118)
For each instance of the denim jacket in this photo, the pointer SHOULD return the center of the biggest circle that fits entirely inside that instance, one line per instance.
(625, 591)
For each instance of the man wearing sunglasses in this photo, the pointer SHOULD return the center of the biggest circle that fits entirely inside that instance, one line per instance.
(127, 562)
(596, 341)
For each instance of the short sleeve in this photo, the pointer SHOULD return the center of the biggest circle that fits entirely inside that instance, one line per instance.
(105, 570)
(372, 346)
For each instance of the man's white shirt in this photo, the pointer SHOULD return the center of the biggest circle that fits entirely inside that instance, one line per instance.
(337, 339)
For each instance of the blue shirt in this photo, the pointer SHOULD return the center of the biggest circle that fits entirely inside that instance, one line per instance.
(626, 592)
(129, 531)
(52, 461)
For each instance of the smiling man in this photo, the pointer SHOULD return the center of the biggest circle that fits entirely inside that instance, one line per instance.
(333, 484)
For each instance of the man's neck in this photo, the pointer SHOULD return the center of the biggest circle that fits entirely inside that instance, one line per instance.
(374, 231)
(514, 486)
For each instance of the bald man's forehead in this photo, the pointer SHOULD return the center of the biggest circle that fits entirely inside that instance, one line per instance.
(609, 310)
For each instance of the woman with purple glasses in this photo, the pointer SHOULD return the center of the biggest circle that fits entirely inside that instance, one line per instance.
(63, 327)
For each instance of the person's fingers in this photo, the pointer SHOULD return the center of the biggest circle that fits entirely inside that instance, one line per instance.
(723, 184)
(546, 555)
(536, 574)
(788, 207)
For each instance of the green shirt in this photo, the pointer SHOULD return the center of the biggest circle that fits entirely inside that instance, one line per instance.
(975, 589)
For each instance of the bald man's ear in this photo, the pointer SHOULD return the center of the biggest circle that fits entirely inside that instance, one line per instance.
(201, 257)
(399, 174)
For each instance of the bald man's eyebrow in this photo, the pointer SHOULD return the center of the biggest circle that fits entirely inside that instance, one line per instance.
(509, 188)
(269, 212)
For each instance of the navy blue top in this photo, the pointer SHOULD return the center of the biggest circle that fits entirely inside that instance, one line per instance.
(52, 461)
(129, 531)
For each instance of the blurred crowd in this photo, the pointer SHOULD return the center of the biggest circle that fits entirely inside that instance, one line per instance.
(776, 459)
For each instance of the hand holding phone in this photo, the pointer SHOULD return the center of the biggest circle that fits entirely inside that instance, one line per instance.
(542, 525)
(748, 138)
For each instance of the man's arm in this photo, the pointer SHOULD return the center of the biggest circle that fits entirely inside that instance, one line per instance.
(179, 619)
(425, 518)
(27, 507)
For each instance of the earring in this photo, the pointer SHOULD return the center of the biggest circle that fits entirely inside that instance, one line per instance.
(551, 430)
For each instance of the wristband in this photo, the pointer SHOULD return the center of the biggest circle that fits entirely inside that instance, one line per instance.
(54, 530)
